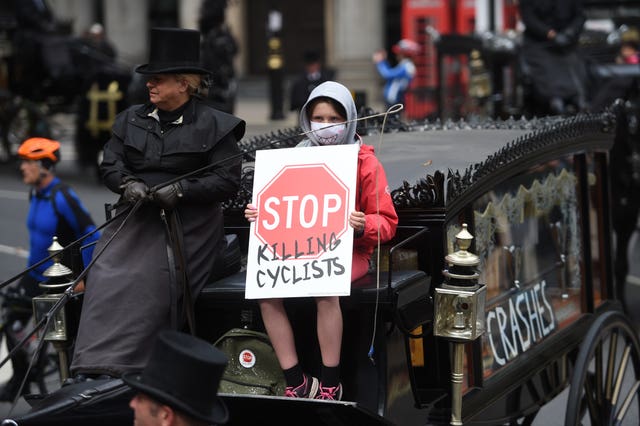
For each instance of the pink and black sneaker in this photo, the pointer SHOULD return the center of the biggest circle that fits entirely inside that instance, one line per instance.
(327, 393)
(308, 388)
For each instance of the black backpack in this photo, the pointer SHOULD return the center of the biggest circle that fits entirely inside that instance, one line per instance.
(71, 258)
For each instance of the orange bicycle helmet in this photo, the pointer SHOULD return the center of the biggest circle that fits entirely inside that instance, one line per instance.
(40, 149)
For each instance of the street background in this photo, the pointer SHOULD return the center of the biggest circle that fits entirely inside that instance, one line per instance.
(252, 106)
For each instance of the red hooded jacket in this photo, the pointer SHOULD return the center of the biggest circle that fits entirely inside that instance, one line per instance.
(378, 212)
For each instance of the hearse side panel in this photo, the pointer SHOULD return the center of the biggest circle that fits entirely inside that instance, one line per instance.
(538, 228)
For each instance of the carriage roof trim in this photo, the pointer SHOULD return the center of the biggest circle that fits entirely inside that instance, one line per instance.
(418, 155)
(409, 156)
(470, 155)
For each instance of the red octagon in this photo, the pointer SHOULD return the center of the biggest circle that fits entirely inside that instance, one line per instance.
(300, 210)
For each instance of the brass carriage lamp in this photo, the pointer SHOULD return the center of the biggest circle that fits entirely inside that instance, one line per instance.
(460, 301)
(459, 311)
(58, 280)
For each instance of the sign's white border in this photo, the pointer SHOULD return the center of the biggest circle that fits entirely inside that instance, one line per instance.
(272, 277)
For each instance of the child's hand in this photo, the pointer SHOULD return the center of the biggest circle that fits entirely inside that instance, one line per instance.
(357, 221)
(251, 213)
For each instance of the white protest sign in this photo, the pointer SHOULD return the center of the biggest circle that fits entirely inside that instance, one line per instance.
(301, 243)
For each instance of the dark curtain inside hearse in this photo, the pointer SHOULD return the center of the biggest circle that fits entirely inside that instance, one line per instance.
(599, 211)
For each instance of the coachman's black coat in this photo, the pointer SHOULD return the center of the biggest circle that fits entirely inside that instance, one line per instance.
(556, 71)
(129, 291)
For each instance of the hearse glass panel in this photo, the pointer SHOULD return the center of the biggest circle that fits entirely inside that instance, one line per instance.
(527, 233)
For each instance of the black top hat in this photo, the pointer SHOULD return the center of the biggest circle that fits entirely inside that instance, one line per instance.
(311, 56)
(173, 51)
(184, 373)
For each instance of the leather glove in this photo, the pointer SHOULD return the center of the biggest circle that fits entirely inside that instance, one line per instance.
(562, 40)
(135, 190)
(168, 196)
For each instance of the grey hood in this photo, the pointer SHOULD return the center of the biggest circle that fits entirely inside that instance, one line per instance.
(340, 93)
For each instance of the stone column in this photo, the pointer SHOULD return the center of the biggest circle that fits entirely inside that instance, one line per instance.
(80, 13)
(189, 13)
(354, 31)
(127, 27)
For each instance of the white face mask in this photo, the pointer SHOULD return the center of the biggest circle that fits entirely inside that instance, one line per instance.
(328, 135)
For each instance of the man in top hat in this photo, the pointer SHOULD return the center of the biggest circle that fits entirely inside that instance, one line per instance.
(313, 75)
(179, 385)
(174, 160)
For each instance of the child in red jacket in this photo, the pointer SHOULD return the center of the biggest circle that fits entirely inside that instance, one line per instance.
(331, 103)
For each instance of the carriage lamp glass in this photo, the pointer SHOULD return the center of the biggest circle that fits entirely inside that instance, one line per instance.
(459, 312)
(460, 300)
(58, 276)
(57, 329)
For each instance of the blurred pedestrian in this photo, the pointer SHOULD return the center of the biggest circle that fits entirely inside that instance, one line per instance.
(153, 269)
(179, 384)
(36, 24)
(397, 78)
(55, 210)
(96, 39)
(625, 84)
(219, 48)
(558, 74)
(629, 45)
(35, 15)
(314, 74)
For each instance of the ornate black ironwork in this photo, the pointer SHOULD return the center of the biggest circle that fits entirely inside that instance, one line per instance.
(244, 193)
(428, 192)
(282, 138)
(546, 133)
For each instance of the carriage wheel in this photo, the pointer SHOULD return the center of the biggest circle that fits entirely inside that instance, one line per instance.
(606, 376)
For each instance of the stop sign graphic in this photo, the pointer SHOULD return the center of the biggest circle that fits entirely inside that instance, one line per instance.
(302, 209)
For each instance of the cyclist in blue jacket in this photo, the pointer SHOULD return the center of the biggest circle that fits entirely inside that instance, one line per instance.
(54, 210)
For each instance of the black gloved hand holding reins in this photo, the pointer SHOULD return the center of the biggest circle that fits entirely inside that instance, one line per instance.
(168, 196)
(134, 190)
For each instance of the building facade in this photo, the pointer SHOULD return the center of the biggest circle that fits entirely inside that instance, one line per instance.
(346, 31)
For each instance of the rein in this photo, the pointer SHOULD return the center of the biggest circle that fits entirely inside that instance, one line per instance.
(67, 294)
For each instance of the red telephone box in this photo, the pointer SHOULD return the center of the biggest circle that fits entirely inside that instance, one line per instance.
(465, 17)
(510, 14)
(456, 67)
(418, 17)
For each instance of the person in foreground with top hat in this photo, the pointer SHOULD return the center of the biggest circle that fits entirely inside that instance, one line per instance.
(149, 274)
(179, 385)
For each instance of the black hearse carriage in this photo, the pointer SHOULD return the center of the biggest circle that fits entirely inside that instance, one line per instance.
(495, 295)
